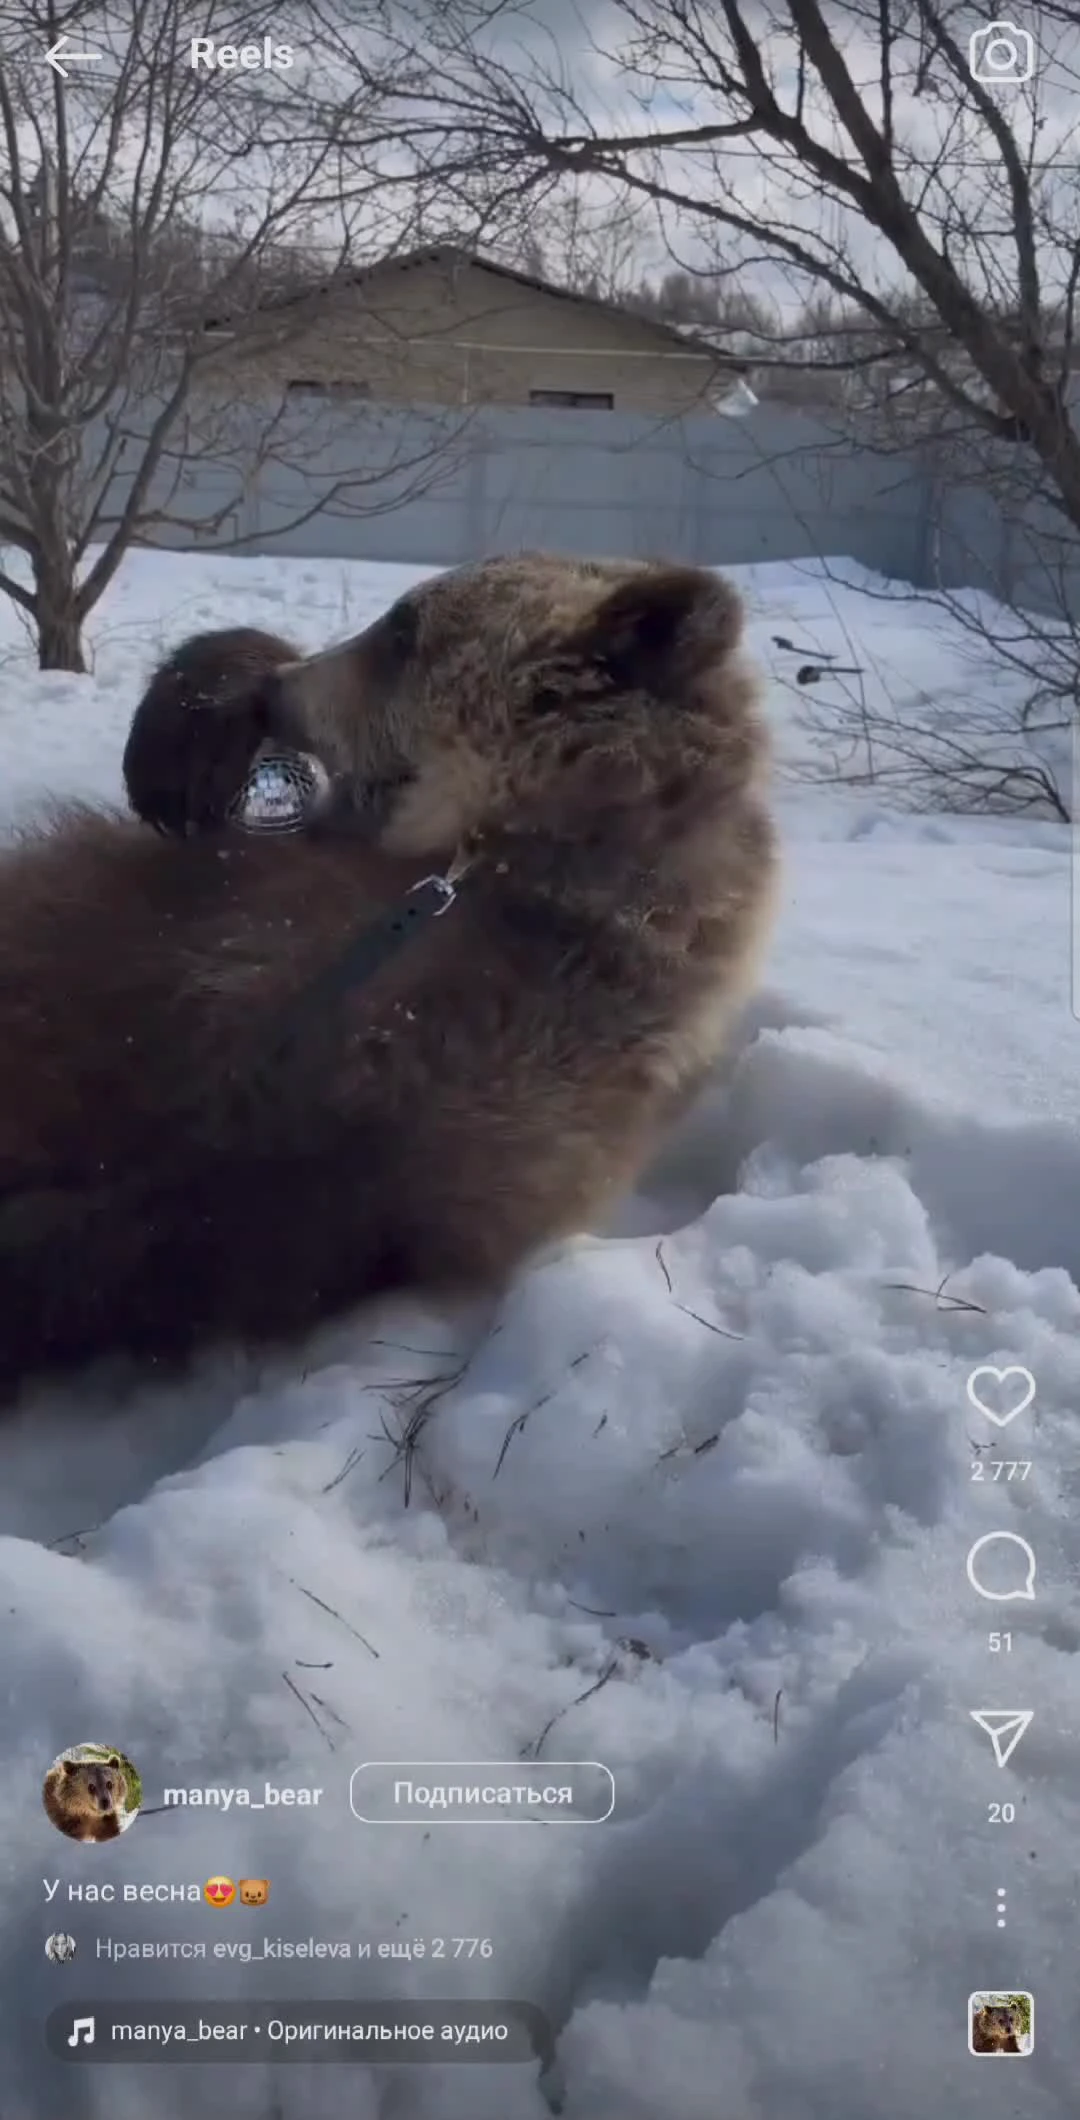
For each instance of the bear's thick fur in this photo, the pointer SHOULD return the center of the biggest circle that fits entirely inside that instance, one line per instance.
(588, 736)
(84, 1798)
(995, 2028)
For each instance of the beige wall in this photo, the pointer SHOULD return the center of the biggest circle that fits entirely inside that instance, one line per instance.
(423, 333)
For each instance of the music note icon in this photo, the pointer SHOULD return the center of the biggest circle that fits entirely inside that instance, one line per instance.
(82, 2024)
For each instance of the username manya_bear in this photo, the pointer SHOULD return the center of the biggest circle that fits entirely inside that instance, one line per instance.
(585, 740)
(85, 1798)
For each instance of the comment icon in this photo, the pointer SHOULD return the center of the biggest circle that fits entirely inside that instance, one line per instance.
(1011, 1565)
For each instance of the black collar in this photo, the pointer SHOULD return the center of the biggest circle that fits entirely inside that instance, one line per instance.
(369, 949)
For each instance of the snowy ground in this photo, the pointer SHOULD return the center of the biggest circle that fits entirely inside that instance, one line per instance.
(723, 1550)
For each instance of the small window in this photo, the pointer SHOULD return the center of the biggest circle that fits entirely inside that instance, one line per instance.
(305, 389)
(579, 400)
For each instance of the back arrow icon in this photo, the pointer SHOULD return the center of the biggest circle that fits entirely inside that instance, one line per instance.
(56, 52)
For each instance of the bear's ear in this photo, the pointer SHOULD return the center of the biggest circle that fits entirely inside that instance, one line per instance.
(72, 1767)
(663, 627)
(114, 1760)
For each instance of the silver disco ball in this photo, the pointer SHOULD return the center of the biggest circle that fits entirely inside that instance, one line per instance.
(282, 793)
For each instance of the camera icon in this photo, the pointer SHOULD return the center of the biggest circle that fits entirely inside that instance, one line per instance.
(1001, 52)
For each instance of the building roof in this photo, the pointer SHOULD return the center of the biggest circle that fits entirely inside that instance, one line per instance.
(455, 258)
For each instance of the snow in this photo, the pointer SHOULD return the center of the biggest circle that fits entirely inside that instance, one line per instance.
(696, 1504)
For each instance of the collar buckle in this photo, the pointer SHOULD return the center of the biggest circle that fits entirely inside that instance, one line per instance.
(445, 888)
(445, 885)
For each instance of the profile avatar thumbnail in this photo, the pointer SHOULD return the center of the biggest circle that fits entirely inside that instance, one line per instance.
(59, 1948)
(1001, 2024)
(92, 1792)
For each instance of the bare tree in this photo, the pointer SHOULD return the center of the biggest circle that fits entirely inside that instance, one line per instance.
(143, 200)
(710, 305)
(991, 735)
(847, 152)
(906, 205)
(592, 252)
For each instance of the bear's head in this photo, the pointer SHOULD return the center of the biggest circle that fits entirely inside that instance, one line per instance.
(527, 695)
(997, 2028)
(96, 1785)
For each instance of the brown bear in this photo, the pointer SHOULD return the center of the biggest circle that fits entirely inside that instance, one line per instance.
(85, 1798)
(201, 1141)
(995, 2028)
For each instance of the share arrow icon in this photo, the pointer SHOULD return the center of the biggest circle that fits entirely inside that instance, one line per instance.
(1004, 1727)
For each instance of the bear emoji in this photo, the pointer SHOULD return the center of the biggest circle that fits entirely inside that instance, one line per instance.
(583, 739)
(85, 1798)
(254, 1891)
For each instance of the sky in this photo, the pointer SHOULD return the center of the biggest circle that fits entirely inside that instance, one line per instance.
(587, 57)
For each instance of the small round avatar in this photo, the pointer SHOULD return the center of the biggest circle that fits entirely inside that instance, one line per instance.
(284, 792)
(59, 1948)
(92, 1793)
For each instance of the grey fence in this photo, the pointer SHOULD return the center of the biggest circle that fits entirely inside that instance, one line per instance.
(440, 487)
(1016, 547)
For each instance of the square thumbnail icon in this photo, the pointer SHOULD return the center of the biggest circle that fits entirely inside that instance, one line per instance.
(1001, 2023)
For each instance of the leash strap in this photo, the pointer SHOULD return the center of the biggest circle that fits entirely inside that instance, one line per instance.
(366, 954)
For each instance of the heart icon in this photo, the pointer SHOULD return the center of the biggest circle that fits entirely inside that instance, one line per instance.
(1023, 1378)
